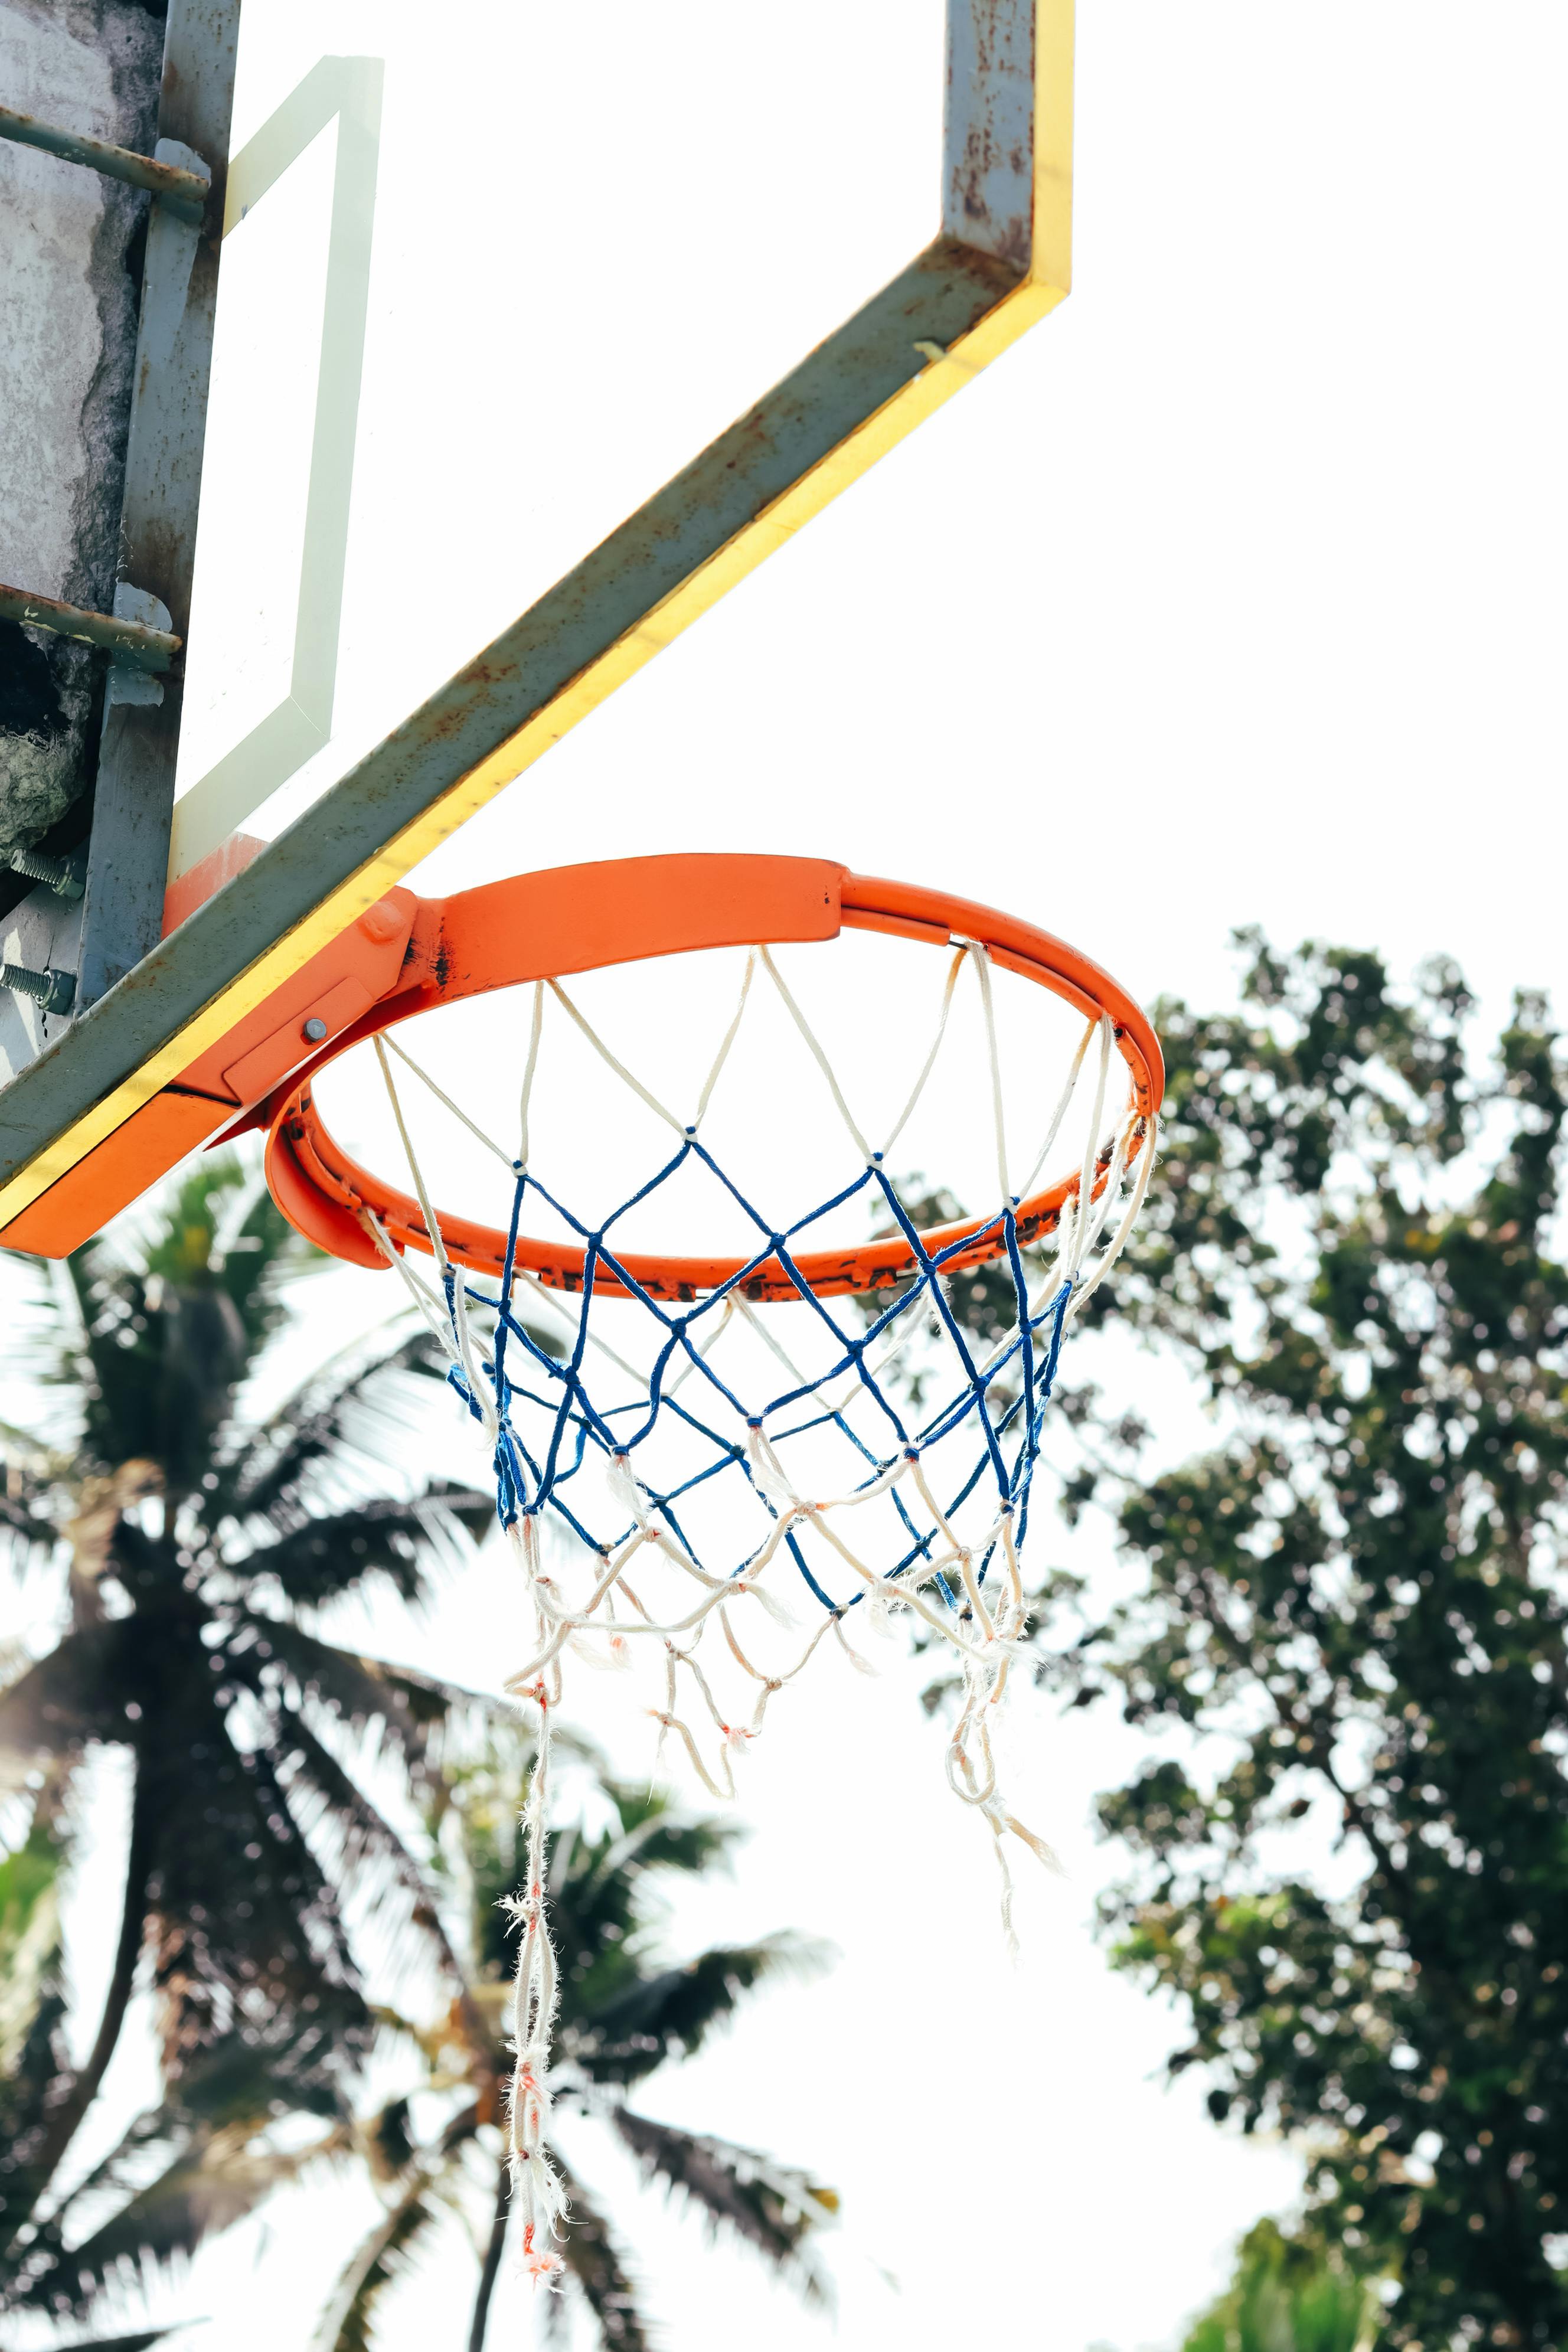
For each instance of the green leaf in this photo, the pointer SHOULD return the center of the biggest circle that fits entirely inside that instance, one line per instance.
(674, 2012)
(320, 1558)
(359, 1692)
(214, 2179)
(365, 1409)
(1290, 2295)
(597, 2264)
(773, 2207)
(137, 2343)
(1347, 1622)
(383, 2256)
(29, 1936)
(78, 1692)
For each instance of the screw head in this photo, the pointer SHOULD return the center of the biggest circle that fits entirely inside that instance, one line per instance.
(315, 1031)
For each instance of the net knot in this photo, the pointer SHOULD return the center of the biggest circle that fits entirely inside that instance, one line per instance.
(539, 2266)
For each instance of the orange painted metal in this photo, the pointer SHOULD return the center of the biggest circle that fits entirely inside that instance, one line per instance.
(577, 919)
(407, 954)
(196, 886)
(80, 1204)
(341, 983)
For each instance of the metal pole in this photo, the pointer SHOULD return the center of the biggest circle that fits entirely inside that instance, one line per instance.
(128, 641)
(133, 800)
(186, 193)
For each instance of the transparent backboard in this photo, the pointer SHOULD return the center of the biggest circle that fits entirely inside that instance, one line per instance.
(480, 297)
(531, 343)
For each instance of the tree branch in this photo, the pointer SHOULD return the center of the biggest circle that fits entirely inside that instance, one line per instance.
(490, 2270)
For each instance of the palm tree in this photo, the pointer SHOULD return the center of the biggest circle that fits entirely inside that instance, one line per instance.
(1290, 2295)
(193, 1541)
(626, 2009)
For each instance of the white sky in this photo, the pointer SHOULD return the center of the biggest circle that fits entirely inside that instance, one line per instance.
(1236, 593)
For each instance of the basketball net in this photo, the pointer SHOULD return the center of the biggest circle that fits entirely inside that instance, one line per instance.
(677, 1497)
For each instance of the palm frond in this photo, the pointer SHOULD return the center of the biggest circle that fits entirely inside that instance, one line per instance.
(35, 2056)
(213, 2182)
(45, 1343)
(387, 2141)
(116, 2177)
(27, 1532)
(221, 1224)
(168, 1333)
(247, 1933)
(31, 1462)
(122, 2343)
(361, 1404)
(77, 1693)
(407, 1707)
(361, 1832)
(38, 2063)
(655, 1838)
(29, 1932)
(772, 2207)
(672, 2012)
(599, 2266)
(381, 2259)
(320, 1556)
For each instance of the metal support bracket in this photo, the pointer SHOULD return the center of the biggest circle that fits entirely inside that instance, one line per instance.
(133, 800)
(124, 640)
(183, 186)
(128, 852)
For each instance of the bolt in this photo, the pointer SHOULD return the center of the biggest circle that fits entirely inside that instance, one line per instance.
(66, 877)
(54, 991)
(315, 1031)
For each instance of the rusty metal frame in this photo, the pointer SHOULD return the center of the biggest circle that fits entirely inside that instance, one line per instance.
(186, 192)
(133, 794)
(999, 262)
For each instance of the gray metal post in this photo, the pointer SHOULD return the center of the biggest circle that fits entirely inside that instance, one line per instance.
(133, 803)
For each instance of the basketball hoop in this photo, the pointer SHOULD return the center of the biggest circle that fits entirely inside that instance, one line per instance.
(684, 1441)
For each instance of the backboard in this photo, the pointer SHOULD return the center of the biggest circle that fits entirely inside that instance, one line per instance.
(485, 311)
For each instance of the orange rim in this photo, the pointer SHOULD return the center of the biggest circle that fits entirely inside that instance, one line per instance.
(576, 918)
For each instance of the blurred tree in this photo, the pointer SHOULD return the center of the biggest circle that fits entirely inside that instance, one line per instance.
(192, 1542)
(625, 2010)
(1288, 2294)
(1357, 1881)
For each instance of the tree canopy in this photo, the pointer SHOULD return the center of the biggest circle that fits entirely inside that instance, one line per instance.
(191, 1542)
(1349, 1838)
